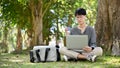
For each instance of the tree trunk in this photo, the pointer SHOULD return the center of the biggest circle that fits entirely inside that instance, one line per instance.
(19, 40)
(29, 42)
(108, 24)
(4, 45)
(69, 24)
(36, 12)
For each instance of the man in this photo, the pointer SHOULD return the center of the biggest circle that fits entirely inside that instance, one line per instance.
(91, 51)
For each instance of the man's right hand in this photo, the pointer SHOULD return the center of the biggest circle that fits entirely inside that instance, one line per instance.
(87, 49)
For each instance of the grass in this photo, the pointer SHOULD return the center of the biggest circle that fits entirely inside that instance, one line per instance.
(22, 61)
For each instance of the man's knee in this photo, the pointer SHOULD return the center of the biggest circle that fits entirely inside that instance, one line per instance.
(98, 51)
(62, 49)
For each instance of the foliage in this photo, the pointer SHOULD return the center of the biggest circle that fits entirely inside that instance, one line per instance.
(91, 7)
(15, 12)
(57, 14)
(68, 7)
(47, 19)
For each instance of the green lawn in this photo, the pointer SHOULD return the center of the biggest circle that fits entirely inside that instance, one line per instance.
(22, 61)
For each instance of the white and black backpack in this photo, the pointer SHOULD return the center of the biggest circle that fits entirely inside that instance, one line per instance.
(45, 54)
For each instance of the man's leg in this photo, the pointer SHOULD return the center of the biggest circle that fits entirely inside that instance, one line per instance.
(92, 55)
(71, 54)
(97, 51)
(89, 56)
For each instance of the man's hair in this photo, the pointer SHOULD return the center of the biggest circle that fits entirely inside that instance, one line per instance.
(80, 11)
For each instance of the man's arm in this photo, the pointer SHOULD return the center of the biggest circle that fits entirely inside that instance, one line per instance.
(93, 39)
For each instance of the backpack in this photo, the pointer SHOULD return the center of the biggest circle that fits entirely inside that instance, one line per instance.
(45, 54)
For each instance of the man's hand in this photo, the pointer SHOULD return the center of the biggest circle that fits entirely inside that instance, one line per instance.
(87, 49)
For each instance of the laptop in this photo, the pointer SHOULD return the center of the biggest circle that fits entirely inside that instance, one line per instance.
(76, 42)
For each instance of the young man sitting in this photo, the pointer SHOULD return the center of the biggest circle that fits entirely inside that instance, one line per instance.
(91, 51)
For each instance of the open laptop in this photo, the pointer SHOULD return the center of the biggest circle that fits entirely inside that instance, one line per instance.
(76, 42)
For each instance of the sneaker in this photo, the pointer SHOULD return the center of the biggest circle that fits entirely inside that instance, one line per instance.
(91, 58)
(65, 58)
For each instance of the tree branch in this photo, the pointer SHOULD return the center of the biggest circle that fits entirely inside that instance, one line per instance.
(46, 8)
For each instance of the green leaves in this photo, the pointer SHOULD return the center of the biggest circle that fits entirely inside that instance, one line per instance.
(54, 12)
(15, 12)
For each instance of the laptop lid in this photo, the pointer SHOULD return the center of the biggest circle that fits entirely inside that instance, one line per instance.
(76, 42)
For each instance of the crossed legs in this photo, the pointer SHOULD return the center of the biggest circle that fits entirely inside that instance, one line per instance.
(72, 54)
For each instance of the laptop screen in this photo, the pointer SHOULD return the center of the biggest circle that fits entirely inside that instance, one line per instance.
(76, 41)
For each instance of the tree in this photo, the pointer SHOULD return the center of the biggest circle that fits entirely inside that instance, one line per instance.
(33, 16)
(108, 24)
(47, 25)
(17, 14)
(38, 9)
(14, 13)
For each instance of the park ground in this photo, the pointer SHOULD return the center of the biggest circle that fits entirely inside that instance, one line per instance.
(22, 61)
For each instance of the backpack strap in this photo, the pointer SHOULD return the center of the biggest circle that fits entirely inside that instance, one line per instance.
(32, 59)
(58, 53)
(46, 54)
(38, 56)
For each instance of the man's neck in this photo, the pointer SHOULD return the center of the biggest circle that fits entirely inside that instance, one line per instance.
(82, 25)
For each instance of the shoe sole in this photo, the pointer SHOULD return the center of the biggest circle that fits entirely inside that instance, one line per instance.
(65, 58)
(94, 58)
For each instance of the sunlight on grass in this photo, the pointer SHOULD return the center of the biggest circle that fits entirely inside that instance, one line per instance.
(6, 65)
(16, 60)
(113, 60)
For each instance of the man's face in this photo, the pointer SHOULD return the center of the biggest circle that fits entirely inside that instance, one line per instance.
(80, 19)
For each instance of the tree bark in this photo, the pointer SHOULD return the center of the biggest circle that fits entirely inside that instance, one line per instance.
(108, 24)
(19, 40)
(36, 12)
(3, 44)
